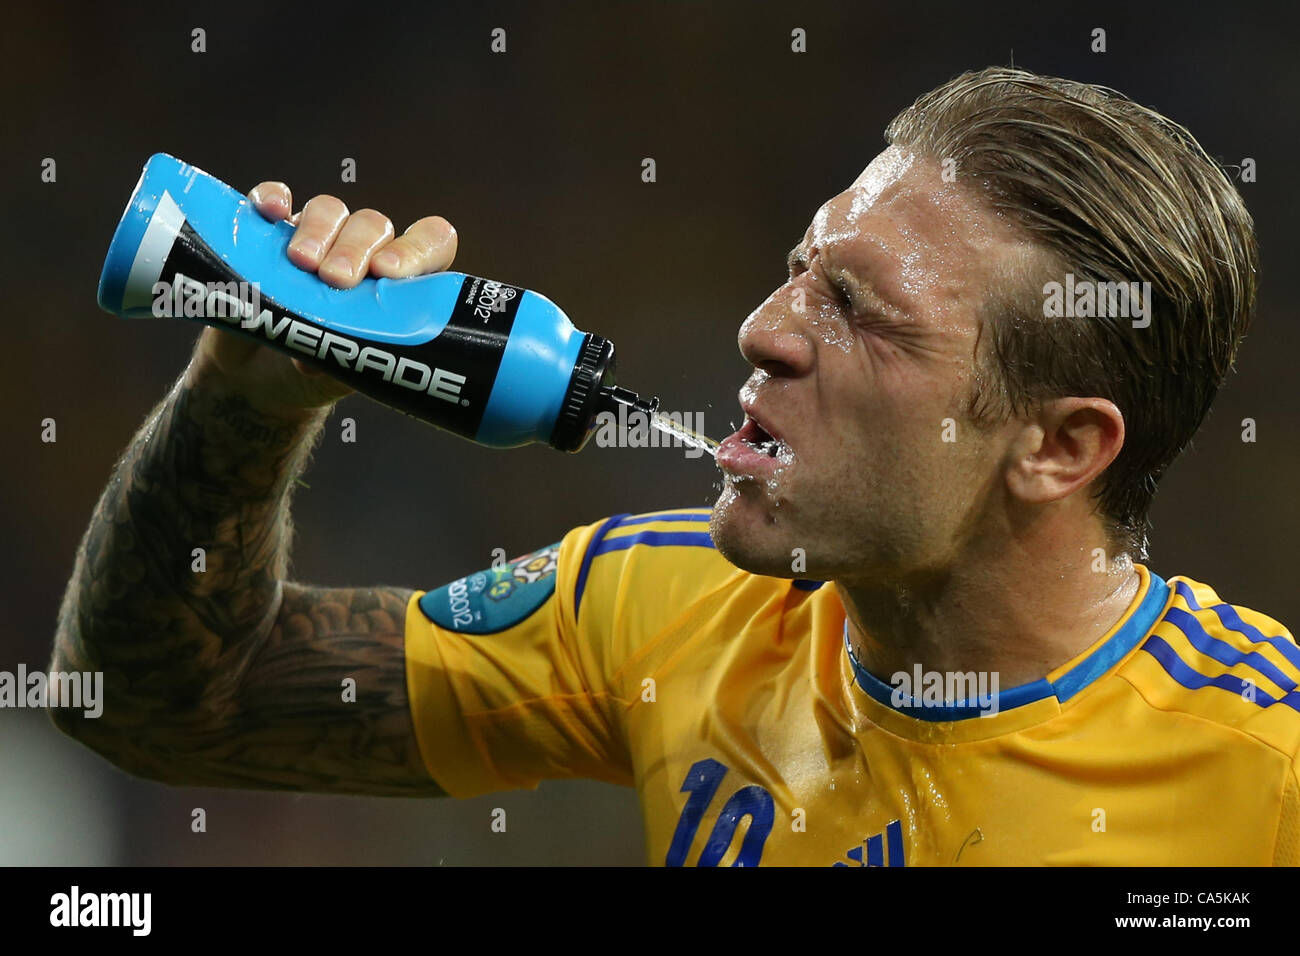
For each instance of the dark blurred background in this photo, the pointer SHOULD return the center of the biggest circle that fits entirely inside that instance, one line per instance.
(535, 155)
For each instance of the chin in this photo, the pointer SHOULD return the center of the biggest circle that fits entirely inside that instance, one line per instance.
(745, 534)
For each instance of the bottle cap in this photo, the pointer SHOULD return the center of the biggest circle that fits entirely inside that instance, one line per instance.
(592, 391)
(577, 418)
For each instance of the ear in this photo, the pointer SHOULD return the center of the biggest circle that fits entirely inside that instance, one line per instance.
(1068, 443)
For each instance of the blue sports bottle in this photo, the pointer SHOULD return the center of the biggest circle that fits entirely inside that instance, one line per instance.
(497, 364)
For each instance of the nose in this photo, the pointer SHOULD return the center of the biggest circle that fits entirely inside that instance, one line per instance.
(771, 338)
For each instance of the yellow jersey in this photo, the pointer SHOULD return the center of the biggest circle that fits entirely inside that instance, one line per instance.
(633, 652)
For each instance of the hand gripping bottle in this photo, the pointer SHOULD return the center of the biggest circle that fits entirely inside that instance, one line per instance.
(494, 363)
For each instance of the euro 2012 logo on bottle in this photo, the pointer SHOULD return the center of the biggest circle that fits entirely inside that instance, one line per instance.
(492, 298)
(529, 569)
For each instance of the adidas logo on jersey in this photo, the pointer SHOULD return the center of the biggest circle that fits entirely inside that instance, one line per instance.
(883, 849)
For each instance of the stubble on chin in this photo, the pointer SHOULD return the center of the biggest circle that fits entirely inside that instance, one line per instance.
(744, 537)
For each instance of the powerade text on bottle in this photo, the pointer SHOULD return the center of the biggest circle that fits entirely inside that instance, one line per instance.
(494, 363)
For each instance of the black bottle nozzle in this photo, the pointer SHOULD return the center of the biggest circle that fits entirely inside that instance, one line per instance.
(592, 391)
(612, 396)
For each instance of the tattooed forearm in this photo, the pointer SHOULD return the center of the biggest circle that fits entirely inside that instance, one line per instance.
(216, 670)
(190, 493)
(293, 722)
(234, 412)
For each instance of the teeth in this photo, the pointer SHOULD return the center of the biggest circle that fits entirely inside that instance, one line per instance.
(766, 445)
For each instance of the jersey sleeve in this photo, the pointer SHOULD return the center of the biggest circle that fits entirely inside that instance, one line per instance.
(515, 673)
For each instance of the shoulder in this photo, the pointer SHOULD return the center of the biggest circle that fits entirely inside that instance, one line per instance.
(635, 575)
(644, 586)
(1225, 663)
(630, 557)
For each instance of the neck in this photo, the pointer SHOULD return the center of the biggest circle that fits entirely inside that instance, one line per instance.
(1019, 608)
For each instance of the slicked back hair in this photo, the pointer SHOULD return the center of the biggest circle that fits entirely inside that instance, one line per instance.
(1108, 191)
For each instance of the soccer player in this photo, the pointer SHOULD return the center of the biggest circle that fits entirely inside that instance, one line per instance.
(914, 629)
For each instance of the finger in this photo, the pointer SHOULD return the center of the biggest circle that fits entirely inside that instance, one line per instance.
(318, 225)
(272, 199)
(349, 258)
(429, 245)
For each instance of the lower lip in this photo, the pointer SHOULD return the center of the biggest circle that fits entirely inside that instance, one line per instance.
(737, 458)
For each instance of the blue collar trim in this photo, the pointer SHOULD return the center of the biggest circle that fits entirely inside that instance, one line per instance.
(1130, 633)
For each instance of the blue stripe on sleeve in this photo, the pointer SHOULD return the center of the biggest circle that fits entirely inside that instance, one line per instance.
(669, 516)
(585, 568)
(1233, 622)
(1223, 652)
(695, 539)
(1179, 670)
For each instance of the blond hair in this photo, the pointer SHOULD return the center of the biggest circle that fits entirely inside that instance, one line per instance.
(1110, 191)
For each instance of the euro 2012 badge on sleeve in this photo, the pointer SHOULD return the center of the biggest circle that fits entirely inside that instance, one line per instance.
(497, 598)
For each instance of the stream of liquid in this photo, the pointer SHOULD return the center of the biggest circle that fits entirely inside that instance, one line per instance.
(691, 439)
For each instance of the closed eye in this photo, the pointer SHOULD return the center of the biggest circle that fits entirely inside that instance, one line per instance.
(797, 266)
(842, 294)
(846, 299)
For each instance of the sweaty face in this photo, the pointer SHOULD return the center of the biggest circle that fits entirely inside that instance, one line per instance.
(856, 446)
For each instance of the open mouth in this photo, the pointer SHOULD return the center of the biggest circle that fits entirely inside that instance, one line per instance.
(756, 437)
(753, 450)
